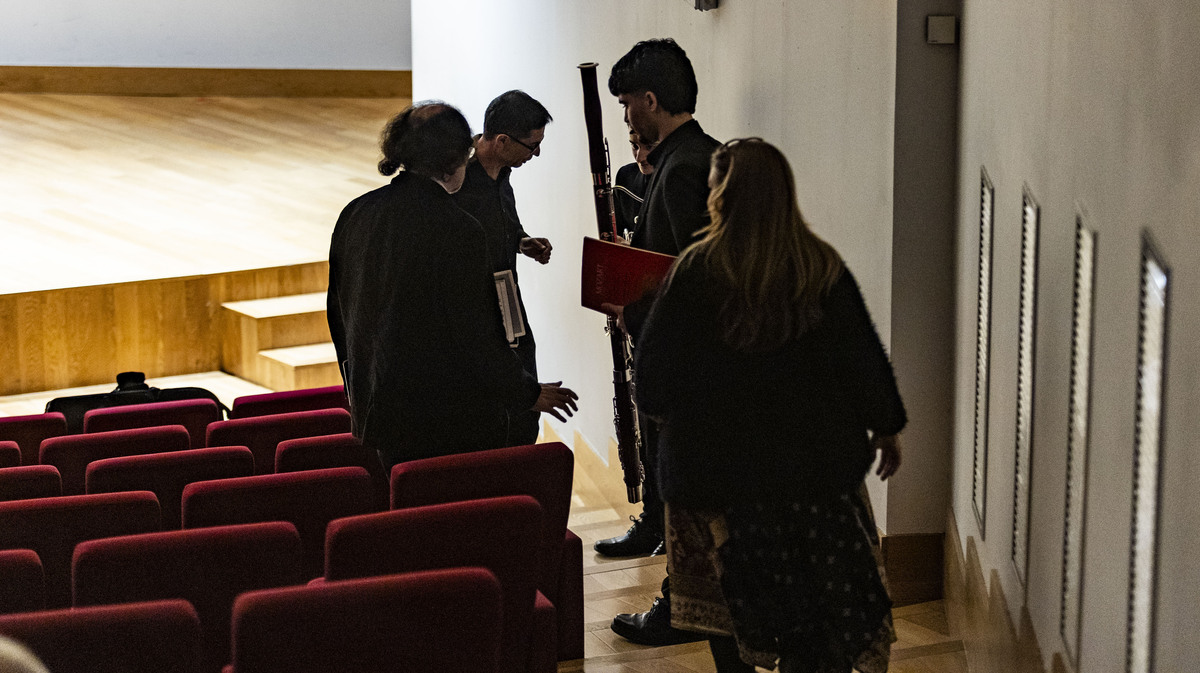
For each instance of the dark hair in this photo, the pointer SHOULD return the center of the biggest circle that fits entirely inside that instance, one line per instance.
(660, 66)
(515, 114)
(429, 138)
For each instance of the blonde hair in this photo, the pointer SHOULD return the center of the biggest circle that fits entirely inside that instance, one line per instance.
(759, 247)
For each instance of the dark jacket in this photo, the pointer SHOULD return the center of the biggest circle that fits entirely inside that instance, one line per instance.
(412, 311)
(785, 425)
(676, 204)
(494, 205)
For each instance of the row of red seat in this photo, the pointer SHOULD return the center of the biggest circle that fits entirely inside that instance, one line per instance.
(26, 433)
(234, 603)
(558, 557)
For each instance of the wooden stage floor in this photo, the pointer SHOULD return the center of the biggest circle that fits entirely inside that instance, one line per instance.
(126, 221)
(104, 189)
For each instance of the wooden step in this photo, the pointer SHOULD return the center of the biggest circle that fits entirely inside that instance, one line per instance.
(295, 367)
(265, 324)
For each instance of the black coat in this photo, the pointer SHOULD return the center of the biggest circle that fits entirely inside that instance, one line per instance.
(785, 425)
(676, 204)
(494, 205)
(412, 311)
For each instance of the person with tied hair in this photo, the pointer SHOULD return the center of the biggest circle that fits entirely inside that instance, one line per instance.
(656, 85)
(412, 307)
(775, 393)
(513, 128)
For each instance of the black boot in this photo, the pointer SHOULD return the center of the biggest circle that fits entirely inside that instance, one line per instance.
(642, 538)
(653, 627)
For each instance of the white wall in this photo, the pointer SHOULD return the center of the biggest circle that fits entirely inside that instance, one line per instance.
(1094, 107)
(815, 78)
(286, 34)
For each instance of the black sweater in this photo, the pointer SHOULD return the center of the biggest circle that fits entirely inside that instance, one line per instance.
(413, 313)
(783, 425)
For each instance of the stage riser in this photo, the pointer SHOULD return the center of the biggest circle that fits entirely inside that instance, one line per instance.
(83, 336)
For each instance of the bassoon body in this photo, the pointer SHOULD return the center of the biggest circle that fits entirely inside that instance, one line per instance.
(625, 414)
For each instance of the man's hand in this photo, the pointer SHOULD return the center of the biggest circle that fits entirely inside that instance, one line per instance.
(554, 398)
(537, 249)
(617, 312)
(889, 454)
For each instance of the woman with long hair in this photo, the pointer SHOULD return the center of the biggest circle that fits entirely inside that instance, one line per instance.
(774, 392)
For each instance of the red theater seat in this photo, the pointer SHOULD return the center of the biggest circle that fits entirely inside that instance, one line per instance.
(71, 454)
(23, 581)
(166, 474)
(29, 481)
(29, 431)
(207, 567)
(289, 401)
(10, 454)
(325, 451)
(53, 526)
(440, 621)
(543, 471)
(194, 415)
(309, 500)
(500, 534)
(262, 434)
(158, 637)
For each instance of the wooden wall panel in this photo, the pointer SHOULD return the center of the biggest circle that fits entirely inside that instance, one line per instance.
(206, 82)
(83, 336)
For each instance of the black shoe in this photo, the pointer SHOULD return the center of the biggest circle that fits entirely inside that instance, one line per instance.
(653, 627)
(641, 539)
(660, 549)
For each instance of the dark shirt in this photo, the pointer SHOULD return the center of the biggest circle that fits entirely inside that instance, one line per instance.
(413, 314)
(493, 203)
(630, 177)
(789, 425)
(676, 204)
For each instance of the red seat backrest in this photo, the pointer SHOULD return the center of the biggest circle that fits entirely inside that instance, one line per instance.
(29, 431)
(194, 414)
(23, 580)
(158, 637)
(308, 500)
(72, 453)
(288, 401)
(439, 621)
(166, 474)
(543, 471)
(53, 526)
(29, 481)
(262, 434)
(500, 534)
(208, 567)
(10, 454)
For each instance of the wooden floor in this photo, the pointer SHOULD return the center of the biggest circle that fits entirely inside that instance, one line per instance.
(107, 189)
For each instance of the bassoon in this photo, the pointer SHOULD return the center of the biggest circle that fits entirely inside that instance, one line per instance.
(625, 413)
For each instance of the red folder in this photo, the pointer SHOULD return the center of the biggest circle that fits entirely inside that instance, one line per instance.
(619, 274)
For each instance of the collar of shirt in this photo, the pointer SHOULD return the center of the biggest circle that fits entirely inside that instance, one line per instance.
(688, 129)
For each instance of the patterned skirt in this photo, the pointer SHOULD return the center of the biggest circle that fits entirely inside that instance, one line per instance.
(807, 574)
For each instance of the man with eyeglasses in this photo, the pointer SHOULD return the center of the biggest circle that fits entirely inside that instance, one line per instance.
(513, 128)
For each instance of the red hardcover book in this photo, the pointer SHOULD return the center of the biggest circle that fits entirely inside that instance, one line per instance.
(619, 274)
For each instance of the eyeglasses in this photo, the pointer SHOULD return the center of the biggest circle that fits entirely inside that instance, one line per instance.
(532, 148)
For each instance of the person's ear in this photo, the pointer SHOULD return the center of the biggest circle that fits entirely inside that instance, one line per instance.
(651, 101)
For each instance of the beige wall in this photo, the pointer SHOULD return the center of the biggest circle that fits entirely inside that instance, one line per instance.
(273, 34)
(1093, 106)
(815, 78)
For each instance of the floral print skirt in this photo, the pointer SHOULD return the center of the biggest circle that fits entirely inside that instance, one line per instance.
(800, 576)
